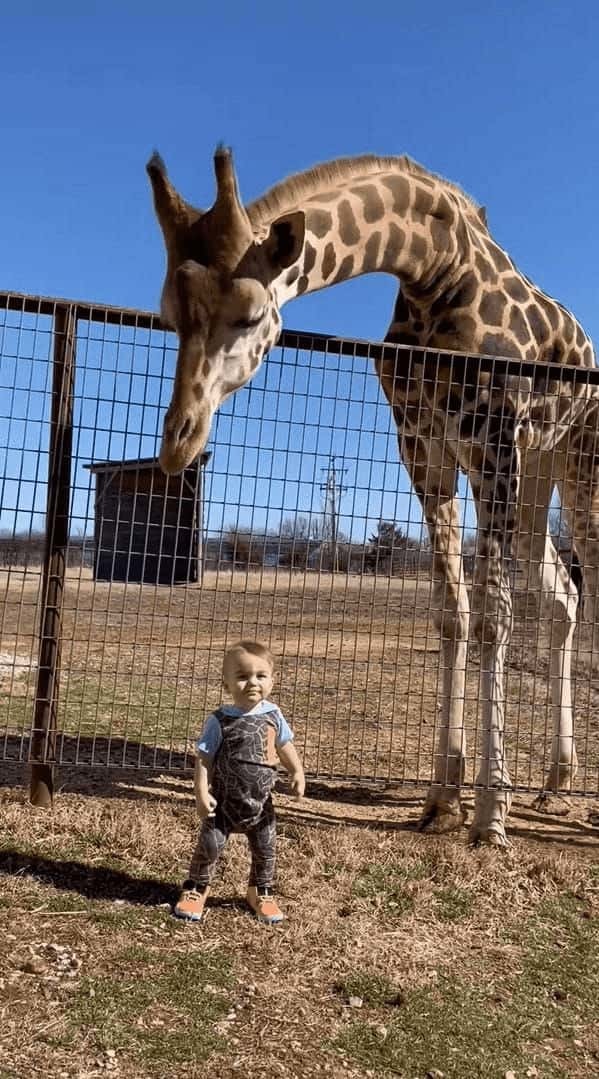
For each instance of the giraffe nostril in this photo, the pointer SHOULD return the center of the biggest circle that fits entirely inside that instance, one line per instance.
(185, 430)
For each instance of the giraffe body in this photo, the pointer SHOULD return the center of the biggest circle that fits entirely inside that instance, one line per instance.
(516, 436)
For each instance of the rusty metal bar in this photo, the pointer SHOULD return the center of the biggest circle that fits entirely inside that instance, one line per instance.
(43, 740)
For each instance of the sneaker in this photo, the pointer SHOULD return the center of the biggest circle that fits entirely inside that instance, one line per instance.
(191, 902)
(264, 905)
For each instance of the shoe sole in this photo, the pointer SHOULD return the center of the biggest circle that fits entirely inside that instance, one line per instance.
(188, 917)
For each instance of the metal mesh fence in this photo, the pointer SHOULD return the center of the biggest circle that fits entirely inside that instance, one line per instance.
(298, 526)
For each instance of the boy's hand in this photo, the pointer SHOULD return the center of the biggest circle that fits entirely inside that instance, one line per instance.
(206, 806)
(297, 784)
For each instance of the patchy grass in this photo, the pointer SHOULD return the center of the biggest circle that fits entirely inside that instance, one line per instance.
(400, 954)
(539, 1014)
(159, 1008)
(452, 904)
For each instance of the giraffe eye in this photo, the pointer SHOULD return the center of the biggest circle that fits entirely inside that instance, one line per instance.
(247, 323)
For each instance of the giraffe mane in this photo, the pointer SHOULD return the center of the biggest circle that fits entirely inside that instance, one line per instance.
(286, 195)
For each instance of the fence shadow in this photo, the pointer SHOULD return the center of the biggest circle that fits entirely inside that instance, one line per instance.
(523, 823)
(104, 767)
(168, 776)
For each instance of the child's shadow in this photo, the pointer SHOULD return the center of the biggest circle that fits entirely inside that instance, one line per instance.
(91, 882)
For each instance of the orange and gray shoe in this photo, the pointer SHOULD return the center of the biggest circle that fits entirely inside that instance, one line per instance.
(191, 902)
(264, 905)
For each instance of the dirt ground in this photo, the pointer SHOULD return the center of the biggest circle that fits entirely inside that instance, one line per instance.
(402, 955)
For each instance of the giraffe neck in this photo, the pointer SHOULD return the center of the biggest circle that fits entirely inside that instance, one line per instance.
(378, 215)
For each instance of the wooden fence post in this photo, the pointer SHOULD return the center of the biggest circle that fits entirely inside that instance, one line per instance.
(43, 740)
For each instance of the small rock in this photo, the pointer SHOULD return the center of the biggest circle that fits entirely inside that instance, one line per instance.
(558, 994)
(355, 1002)
(510, 1075)
(532, 1073)
(34, 965)
(396, 1000)
(434, 1073)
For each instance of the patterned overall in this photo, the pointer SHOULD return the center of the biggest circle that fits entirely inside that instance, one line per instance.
(242, 778)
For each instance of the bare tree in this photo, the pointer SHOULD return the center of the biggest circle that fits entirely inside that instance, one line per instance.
(301, 539)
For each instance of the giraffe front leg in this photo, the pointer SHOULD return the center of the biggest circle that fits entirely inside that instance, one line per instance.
(495, 486)
(560, 601)
(492, 602)
(443, 810)
(436, 485)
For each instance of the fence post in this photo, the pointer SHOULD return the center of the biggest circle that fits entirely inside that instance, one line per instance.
(43, 740)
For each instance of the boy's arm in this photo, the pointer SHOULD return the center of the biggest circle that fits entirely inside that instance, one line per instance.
(289, 759)
(205, 801)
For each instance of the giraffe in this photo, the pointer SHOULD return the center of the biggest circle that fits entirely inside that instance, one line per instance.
(516, 436)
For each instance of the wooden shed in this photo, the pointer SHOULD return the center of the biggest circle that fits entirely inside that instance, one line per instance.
(148, 526)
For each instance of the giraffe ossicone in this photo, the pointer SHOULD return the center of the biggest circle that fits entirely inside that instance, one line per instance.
(229, 271)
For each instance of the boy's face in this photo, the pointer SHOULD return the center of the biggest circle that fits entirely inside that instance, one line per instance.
(248, 678)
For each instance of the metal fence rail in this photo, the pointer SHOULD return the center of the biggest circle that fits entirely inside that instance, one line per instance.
(298, 527)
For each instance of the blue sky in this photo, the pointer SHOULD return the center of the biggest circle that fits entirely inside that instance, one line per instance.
(502, 99)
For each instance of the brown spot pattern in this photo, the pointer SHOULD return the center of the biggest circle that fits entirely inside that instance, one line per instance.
(309, 257)
(395, 243)
(518, 325)
(319, 222)
(539, 327)
(467, 290)
(345, 269)
(400, 192)
(515, 288)
(373, 205)
(492, 308)
(348, 229)
(371, 252)
(292, 275)
(329, 261)
(423, 200)
(418, 247)
(486, 270)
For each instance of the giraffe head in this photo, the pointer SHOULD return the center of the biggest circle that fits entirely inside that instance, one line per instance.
(220, 295)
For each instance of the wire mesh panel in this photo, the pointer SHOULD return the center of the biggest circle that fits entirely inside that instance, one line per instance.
(299, 526)
(25, 392)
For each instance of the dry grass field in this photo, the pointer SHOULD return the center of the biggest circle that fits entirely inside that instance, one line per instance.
(358, 672)
(402, 955)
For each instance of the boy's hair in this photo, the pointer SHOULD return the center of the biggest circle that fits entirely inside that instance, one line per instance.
(254, 648)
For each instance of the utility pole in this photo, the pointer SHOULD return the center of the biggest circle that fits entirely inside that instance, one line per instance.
(333, 490)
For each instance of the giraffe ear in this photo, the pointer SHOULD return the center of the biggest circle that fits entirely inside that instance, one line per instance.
(284, 243)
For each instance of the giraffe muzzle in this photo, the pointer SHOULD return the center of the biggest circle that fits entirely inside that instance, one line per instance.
(185, 436)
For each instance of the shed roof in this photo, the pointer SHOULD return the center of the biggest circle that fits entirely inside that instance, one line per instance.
(141, 463)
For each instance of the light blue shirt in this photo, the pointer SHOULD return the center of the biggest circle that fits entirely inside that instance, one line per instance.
(208, 744)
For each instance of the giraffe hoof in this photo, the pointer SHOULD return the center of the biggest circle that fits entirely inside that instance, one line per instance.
(553, 804)
(439, 820)
(479, 837)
